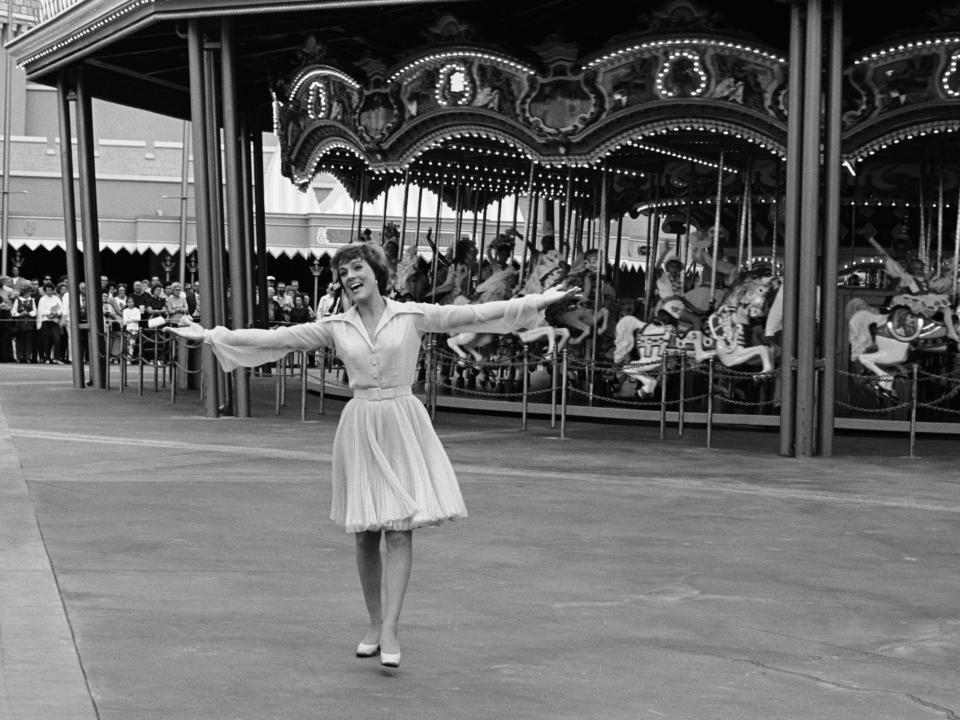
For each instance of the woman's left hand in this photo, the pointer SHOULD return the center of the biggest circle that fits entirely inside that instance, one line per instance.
(556, 294)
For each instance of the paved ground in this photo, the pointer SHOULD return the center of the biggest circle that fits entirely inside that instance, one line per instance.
(156, 565)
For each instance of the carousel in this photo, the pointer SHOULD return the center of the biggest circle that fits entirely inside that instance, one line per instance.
(795, 175)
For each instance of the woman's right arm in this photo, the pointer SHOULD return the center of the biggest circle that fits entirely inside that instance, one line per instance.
(252, 347)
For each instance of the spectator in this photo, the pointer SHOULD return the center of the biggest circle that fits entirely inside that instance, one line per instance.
(7, 324)
(63, 347)
(131, 324)
(176, 303)
(49, 310)
(157, 305)
(328, 302)
(141, 296)
(25, 313)
(300, 313)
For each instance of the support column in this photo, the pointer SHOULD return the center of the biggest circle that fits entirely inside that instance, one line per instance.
(260, 225)
(831, 234)
(791, 232)
(70, 229)
(91, 231)
(235, 223)
(246, 182)
(201, 194)
(811, 232)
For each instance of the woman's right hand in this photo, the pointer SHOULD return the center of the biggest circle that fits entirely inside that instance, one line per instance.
(187, 330)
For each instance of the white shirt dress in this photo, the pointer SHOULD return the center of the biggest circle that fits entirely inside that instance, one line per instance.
(390, 471)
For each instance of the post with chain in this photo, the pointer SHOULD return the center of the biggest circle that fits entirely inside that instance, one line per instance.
(526, 385)
(663, 395)
(563, 397)
(553, 388)
(710, 403)
(914, 391)
(683, 383)
(303, 386)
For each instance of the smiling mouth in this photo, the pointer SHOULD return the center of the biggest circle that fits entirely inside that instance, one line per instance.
(354, 286)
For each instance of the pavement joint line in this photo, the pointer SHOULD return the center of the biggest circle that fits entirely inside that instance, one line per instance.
(676, 483)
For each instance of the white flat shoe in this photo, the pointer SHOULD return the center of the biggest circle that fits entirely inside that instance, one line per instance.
(366, 650)
(391, 660)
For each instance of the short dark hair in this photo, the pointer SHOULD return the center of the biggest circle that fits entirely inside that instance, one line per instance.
(373, 255)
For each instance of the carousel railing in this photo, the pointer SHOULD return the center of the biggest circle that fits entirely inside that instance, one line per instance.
(320, 373)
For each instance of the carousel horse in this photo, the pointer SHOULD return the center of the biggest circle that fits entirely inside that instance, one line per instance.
(641, 346)
(499, 286)
(881, 338)
(724, 337)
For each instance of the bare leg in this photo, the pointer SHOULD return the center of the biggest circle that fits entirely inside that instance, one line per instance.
(399, 559)
(371, 572)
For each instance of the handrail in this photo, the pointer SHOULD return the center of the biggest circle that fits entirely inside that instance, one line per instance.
(49, 9)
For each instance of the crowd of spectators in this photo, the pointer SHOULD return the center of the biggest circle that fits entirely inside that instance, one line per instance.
(35, 313)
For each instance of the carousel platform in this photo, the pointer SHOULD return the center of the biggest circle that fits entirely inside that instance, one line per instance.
(157, 565)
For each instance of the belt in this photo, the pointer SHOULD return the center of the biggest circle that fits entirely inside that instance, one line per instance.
(381, 393)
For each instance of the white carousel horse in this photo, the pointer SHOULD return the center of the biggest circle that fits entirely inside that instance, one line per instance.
(749, 300)
(641, 347)
(881, 340)
(583, 320)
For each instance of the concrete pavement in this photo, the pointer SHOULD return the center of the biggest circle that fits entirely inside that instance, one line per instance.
(155, 564)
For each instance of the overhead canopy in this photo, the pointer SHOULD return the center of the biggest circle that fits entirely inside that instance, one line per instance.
(477, 100)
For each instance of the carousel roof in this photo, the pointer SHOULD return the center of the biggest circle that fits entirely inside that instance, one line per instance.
(478, 100)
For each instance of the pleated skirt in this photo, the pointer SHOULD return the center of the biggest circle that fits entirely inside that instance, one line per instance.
(390, 471)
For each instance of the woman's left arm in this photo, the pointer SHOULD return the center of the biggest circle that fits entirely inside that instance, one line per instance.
(499, 316)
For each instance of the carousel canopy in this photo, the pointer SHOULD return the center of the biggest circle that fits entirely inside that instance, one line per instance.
(673, 107)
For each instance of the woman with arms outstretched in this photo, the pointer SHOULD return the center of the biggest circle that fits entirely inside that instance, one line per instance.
(390, 473)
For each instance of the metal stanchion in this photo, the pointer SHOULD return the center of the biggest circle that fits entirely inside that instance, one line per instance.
(553, 388)
(663, 395)
(140, 363)
(303, 386)
(323, 379)
(156, 363)
(913, 410)
(106, 350)
(174, 368)
(526, 387)
(278, 368)
(434, 375)
(123, 359)
(683, 376)
(709, 402)
(563, 398)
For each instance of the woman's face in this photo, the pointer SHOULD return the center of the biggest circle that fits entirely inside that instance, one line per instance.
(358, 280)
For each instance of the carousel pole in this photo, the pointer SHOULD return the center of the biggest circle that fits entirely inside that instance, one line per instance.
(364, 180)
(436, 240)
(566, 217)
(748, 211)
(530, 225)
(940, 220)
(828, 293)
(684, 256)
(811, 230)
(616, 256)
(416, 233)
(403, 221)
(354, 232)
(383, 223)
(791, 232)
(742, 228)
(956, 248)
(483, 237)
(716, 229)
(922, 250)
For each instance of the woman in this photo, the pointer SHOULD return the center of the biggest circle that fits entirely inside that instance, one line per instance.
(390, 472)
